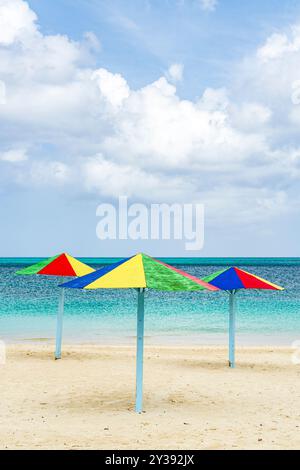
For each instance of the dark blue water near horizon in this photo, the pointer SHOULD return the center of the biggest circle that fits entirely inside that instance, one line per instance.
(194, 261)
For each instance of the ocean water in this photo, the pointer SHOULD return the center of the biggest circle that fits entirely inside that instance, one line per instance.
(28, 306)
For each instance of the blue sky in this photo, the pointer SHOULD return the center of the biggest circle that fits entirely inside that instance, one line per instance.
(90, 109)
(141, 38)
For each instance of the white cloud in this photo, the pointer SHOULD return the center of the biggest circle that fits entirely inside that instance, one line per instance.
(175, 72)
(208, 5)
(159, 131)
(14, 156)
(92, 41)
(44, 174)
(111, 179)
(113, 87)
(268, 75)
(250, 116)
(260, 205)
(2, 92)
(215, 99)
(279, 44)
(52, 172)
(235, 149)
(17, 21)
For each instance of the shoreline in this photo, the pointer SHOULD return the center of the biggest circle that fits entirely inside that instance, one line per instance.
(73, 347)
(192, 400)
(245, 340)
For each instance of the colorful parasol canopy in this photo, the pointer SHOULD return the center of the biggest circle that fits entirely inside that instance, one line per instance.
(232, 280)
(61, 265)
(235, 278)
(140, 271)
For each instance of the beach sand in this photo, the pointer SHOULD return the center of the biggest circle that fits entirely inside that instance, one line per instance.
(192, 400)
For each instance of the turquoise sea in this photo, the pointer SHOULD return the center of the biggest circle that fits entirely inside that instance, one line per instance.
(28, 306)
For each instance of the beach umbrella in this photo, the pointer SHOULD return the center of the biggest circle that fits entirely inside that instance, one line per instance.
(232, 280)
(140, 272)
(62, 265)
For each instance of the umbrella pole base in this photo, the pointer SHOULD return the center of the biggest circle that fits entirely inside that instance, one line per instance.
(140, 353)
(59, 325)
(232, 314)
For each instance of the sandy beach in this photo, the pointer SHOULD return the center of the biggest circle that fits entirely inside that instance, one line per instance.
(192, 399)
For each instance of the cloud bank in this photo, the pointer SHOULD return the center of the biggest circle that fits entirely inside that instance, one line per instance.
(237, 150)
